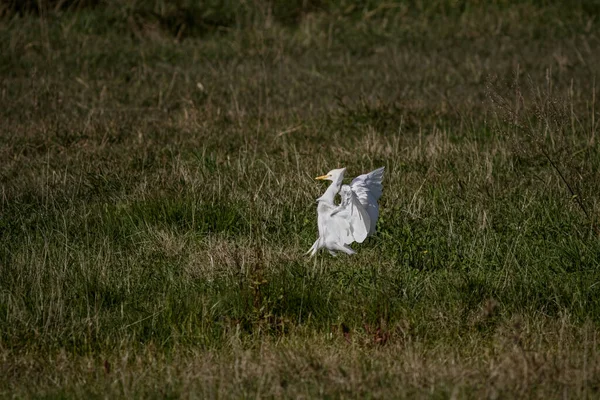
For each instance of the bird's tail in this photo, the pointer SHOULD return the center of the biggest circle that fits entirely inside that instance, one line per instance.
(313, 249)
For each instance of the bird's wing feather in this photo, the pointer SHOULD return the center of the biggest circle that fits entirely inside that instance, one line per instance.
(353, 220)
(368, 189)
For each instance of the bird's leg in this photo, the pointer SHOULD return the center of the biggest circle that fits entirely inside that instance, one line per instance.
(343, 248)
(332, 253)
(349, 249)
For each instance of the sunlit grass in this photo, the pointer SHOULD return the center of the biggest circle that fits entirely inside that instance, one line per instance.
(157, 199)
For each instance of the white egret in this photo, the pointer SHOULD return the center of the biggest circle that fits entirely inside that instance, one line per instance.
(354, 218)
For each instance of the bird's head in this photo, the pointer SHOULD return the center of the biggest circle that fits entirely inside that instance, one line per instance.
(335, 175)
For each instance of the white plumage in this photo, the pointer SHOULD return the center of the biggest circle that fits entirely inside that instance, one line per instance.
(354, 218)
(368, 189)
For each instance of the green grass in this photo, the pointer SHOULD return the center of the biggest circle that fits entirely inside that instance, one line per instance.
(157, 198)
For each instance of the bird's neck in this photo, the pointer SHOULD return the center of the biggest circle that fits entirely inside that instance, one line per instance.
(332, 190)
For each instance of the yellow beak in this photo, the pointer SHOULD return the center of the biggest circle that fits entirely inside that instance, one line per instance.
(322, 177)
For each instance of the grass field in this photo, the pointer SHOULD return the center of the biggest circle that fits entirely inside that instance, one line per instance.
(157, 198)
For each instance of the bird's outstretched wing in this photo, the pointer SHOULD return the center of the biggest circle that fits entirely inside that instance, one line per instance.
(368, 189)
(350, 221)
